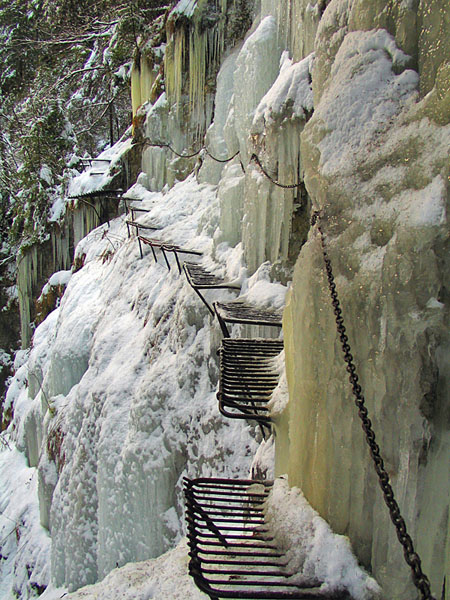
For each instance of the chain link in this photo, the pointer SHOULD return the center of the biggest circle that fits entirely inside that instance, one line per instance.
(221, 160)
(412, 558)
(151, 144)
(224, 160)
(281, 185)
(164, 145)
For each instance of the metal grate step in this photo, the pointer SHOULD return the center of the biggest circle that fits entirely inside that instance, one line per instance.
(248, 376)
(138, 226)
(201, 279)
(232, 554)
(238, 311)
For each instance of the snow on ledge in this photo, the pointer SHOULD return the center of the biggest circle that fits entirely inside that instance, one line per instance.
(162, 578)
(291, 94)
(311, 546)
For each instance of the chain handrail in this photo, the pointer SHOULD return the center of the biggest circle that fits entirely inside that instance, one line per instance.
(277, 183)
(164, 145)
(222, 160)
(420, 580)
(254, 157)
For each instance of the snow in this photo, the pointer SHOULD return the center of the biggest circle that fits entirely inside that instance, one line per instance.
(57, 209)
(101, 173)
(261, 291)
(290, 93)
(185, 7)
(163, 578)
(127, 365)
(363, 97)
(46, 174)
(311, 547)
(419, 208)
(280, 396)
(139, 192)
(24, 543)
(60, 278)
(263, 465)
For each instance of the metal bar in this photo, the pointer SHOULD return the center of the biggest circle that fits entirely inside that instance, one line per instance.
(178, 261)
(235, 492)
(222, 324)
(203, 300)
(209, 481)
(165, 256)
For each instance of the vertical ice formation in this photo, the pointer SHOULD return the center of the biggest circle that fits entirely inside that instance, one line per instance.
(196, 35)
(195, 45)
(123, 379)
(377, 167)
(270, 101)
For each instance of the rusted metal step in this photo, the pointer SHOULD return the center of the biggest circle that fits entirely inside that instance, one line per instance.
(135, 209)
(232, 554)
(201, 279)
(88, 162)
(100, 195)
(248, 376)
(238, 311)
(137, 226)
(165, 248)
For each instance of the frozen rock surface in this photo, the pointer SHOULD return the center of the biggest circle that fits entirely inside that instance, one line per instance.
(347, 102)
(377, 168)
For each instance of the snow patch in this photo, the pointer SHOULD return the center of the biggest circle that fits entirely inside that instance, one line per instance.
(312, 548)
(291, 95)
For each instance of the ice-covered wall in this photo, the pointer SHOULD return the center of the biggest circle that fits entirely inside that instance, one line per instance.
(375, 155)
(327, 95)
(124, 399)
(263, 101)
(37, 263)
(369, 146)
(143, 76)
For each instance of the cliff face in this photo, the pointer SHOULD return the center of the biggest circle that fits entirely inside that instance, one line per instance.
(369, 149)
(340, 107)
(375, 155)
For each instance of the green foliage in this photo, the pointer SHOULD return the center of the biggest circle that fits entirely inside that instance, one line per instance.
(64, 92)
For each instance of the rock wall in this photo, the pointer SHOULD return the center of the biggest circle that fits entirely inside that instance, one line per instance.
(375, 155)
(371, 153)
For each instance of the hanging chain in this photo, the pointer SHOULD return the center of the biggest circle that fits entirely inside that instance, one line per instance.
(254, 157)
(281, 185)
(412, 558)
(151, 144)
(164, 145)
(221, 160)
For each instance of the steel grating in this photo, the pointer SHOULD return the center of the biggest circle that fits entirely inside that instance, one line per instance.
(248, 375)
(238, 311)
(88, 162)
(102, 193)
(232, 553)
(201, 279)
